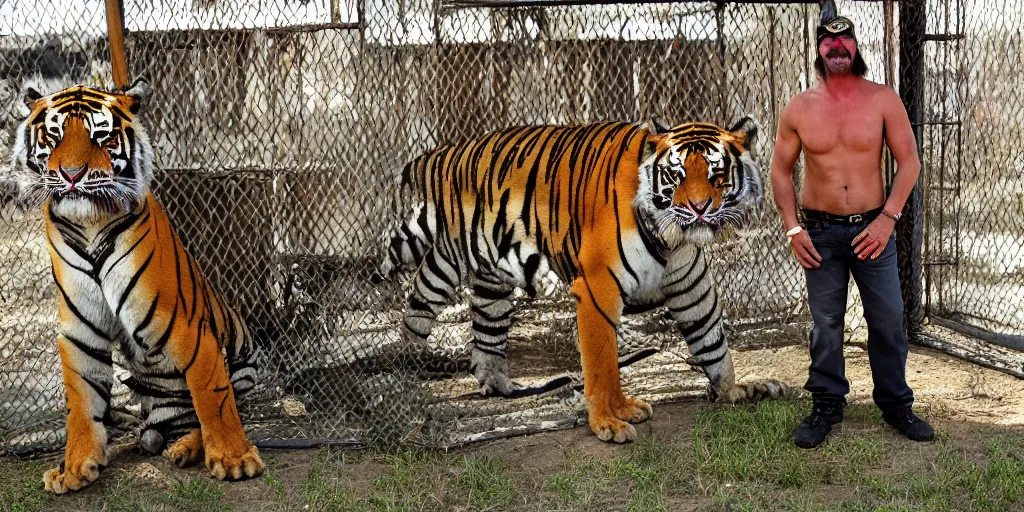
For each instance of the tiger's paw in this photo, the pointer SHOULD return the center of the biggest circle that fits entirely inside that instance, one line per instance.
(612, 422)
(72, 477)
(632, 410)
(608, 428)
(247, 465)
(187, 450)
(757, 390)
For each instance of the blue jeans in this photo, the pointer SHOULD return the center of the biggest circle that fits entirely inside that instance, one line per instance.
(879, 285)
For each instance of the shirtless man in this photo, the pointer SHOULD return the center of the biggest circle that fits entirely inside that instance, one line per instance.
(848, 226)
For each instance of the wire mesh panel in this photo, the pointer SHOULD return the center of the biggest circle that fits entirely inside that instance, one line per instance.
(975, 153)
(280, 131)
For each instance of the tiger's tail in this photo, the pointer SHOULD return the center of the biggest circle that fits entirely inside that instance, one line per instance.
(409, 241)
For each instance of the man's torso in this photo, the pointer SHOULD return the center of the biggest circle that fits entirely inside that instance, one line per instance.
(842, 145)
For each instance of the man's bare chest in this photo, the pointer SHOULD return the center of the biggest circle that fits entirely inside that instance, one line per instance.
(844, 127)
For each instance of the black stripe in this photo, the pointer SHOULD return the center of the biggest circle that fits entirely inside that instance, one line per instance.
(195, 353)
(710, 362)
(491, 294)
(594, 301)
(100, 389)
(483, 314)
(689, 330)
(192, 277)
(417, 304)
(710, 347)
(426, 281)
(159, 345)
(86, 271)
(146, 320)
(679, 293)
(491, 344)
(435, 269)
(679, 309)
(530, 273)
(618, 239)
(131, 284)
(490, 330)
(126, 253)
(708, 325)
(97, 354)
(489, 351)
(108, 237)
(145, 389)
(71, 307)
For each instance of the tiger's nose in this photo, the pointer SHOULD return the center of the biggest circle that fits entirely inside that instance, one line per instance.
(73, 174)
(701, 207)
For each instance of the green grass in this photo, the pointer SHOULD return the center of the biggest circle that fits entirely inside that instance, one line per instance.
(649, 471)
(196, 494)
(21, 486)
(729, 458)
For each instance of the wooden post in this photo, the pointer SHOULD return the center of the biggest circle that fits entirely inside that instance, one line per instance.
(115, 34)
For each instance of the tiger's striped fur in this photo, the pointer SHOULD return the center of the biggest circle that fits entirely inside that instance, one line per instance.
(619, 211)
(124, 279)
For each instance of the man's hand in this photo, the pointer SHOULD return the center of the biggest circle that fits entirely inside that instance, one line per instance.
(874, 238)
(804, 250)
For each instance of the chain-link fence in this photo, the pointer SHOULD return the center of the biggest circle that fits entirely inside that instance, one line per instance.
(974, 255)
(280, 129)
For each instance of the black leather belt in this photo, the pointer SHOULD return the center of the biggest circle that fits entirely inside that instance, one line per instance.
(857, 219)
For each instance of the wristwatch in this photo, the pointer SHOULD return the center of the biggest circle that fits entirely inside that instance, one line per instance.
(795, 231)
(893, 217)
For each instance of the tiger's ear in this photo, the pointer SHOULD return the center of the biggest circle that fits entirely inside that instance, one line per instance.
(651, 146)
(137, 94)
(660, 126)
(32, 96)
(745, 131)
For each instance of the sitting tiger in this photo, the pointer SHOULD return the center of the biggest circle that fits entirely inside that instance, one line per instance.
(124, 279)
(619, 211)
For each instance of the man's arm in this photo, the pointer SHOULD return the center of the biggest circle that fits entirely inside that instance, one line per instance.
(787, 150)
(899, 136)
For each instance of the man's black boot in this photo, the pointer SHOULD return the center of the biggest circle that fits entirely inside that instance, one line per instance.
(814, 428)
(908, 424)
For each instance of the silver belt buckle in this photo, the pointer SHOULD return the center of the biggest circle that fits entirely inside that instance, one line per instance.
(855, 218)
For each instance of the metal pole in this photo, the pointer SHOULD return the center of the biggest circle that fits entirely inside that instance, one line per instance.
(115, 34)
(909, 232)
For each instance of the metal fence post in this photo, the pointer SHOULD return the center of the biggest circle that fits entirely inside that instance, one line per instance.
(910, 232)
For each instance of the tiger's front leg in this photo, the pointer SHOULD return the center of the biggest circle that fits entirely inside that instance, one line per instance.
(693, 302)
(88, 377)
(227, 451)
(599, 307)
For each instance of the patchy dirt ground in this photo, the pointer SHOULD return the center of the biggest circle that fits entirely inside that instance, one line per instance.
(866, 466)
(958, 389)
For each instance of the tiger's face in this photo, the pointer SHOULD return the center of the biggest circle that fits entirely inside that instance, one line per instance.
(84, 150)
(697, 178)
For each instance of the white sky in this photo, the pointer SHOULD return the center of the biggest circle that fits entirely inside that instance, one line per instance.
(87, 17)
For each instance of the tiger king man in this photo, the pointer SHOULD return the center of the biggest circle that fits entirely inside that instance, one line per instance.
(846, 225)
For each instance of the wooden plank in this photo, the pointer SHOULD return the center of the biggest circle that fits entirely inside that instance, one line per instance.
(115, 32)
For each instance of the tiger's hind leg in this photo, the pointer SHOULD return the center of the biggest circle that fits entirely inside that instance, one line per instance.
(433, 288)
(693, 302)
(187, 450)
(492, 317)
(227, 451)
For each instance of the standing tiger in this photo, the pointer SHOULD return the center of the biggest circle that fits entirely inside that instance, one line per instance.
(124, 279)
(619, 211)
